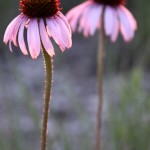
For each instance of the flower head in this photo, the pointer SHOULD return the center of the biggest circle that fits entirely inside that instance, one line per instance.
(87, 17)
(43, 20)
(111, 2)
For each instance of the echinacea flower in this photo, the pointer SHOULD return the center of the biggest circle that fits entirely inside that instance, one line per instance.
(87, 17)
(43, 20)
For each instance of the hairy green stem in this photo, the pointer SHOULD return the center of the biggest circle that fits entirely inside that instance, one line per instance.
(100, 72)
(47, 96)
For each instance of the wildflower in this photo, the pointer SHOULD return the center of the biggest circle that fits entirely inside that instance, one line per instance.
(87, 17)
(43, 20)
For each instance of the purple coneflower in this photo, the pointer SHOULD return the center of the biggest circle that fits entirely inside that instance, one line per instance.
(43, 21)
(111, 17)
(87, 17)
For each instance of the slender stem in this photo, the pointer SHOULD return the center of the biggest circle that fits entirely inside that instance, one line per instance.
(47, 96)
(100, 71)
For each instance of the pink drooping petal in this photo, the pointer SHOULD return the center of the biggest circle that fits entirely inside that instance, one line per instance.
(62, 17)
(15, 31)
(71, 13)
(48, 32)
(125, 25)
(64, 32)
(111, 24)
(73, 20)
(21, 37)
(130, 17)
(84, 22)
(9, 31)
(33, 38)
(116, 28)
(109, 20)
(74, 14)
(62, 36)
(95, 17)
(45, 39)
(55, 32)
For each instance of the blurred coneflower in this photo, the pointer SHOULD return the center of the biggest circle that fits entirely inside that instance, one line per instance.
(43, 21)
(87, 17)
(111, 17)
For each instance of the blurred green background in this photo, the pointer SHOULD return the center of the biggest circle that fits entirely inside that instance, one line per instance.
(126, 111)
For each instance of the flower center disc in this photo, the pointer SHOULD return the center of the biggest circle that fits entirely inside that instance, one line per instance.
(39, 8)
(111, 2)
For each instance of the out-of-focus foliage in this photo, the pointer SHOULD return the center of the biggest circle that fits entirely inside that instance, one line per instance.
(129, 120)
